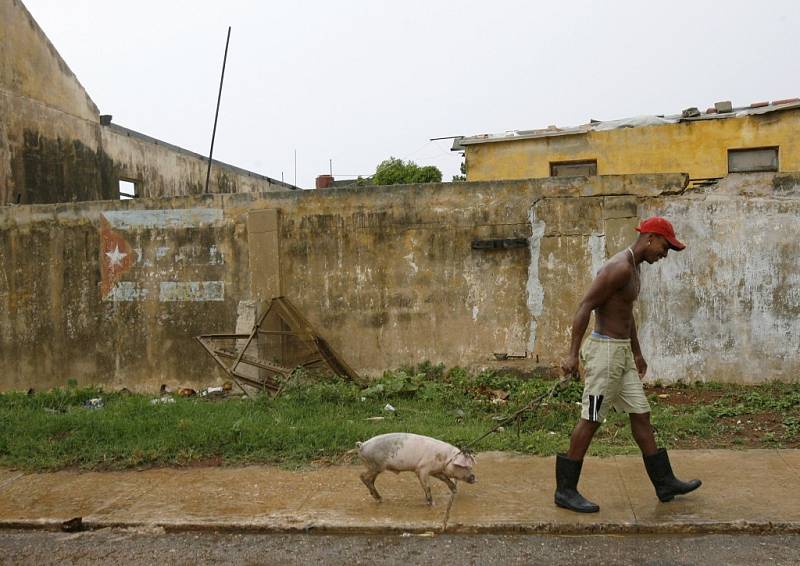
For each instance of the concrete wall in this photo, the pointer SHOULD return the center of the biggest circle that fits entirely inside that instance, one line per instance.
(159, 169)
(724, 309)
(699, 148)
(49, 139)
(113, 292)
(729, 310)
(53, 148)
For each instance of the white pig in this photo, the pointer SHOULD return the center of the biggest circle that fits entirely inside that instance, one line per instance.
(406, 452)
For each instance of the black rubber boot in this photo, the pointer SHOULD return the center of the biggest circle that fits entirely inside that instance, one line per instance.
(666, 484)
(568, 472)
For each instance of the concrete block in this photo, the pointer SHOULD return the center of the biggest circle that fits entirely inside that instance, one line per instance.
(264, 220)
(570, 216)
(620, 207)
(723, 106)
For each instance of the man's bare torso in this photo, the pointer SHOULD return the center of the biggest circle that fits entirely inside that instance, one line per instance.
(614, 318)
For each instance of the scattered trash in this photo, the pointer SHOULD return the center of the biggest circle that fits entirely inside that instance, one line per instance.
(363, 399)
(162, 400)
(497, 396)
(96, 403)
(227, 386)
(212, 392)
(389, 408)
(501, 428)
(425, 534)
(551, 432)
(164, 389)
(375, 418)
(186, 392)
(509, 355)
(663, 396)
(73, 525)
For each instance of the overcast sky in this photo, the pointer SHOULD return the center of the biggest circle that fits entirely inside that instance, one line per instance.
(357, 82)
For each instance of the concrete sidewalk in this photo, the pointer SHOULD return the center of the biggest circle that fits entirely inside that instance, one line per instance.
(749, 490)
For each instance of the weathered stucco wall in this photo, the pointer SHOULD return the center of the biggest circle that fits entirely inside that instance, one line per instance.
(730, 309)
(699, 148)
(724, 309)
(163, 170)
(114, 292)
(32, 68)
(53, 148)
(49, 141)
(105, 294)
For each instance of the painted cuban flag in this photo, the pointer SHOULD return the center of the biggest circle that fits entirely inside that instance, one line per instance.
(146, 255)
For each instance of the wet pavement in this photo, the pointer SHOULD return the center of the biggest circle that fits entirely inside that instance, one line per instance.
(743, 491)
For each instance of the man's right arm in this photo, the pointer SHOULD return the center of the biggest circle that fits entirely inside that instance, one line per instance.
(607, 282)
(579, 324)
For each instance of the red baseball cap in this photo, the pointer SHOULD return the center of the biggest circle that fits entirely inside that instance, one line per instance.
(662, 227)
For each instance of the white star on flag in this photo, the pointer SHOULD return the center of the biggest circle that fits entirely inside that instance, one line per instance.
(116, 256)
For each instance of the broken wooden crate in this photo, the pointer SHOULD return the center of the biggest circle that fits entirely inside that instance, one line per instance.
(281, 341)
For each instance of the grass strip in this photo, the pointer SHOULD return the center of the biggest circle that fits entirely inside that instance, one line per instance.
(317, 421)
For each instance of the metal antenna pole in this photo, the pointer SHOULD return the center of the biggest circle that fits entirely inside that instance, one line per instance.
(216, 115)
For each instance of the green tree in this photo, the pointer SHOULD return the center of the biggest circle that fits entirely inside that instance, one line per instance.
(463, 176)
(395, 171)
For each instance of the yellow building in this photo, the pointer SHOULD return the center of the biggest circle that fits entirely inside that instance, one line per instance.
(706, 145)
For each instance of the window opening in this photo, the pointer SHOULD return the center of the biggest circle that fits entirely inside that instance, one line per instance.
(585, 168)
(127, 189)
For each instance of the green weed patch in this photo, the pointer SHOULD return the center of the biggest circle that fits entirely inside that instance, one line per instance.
(318, 422)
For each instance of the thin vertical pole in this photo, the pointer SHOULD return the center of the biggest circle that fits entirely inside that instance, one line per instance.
(295, 167)
(216, 114)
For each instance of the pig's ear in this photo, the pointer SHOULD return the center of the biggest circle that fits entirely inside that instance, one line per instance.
(463, 460)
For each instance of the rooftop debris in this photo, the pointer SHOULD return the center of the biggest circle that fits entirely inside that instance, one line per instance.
(721, 110)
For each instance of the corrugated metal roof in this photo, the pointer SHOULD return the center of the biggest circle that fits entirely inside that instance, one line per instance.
(633, 122)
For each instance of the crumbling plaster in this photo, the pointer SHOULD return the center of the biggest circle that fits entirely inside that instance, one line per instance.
(389, 277)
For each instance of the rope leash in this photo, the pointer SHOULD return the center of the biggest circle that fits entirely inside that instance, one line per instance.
(531, 406)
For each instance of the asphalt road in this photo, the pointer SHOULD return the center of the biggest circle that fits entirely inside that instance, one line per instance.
(154, 546)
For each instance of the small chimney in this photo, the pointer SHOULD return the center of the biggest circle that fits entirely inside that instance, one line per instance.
(105, 119)
(324, 181)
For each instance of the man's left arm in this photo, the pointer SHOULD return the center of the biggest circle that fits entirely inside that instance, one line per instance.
(641, 364)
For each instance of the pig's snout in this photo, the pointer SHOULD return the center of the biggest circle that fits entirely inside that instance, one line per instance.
(471, 478)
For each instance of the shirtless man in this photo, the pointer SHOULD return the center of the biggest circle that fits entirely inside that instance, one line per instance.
(614, 367)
